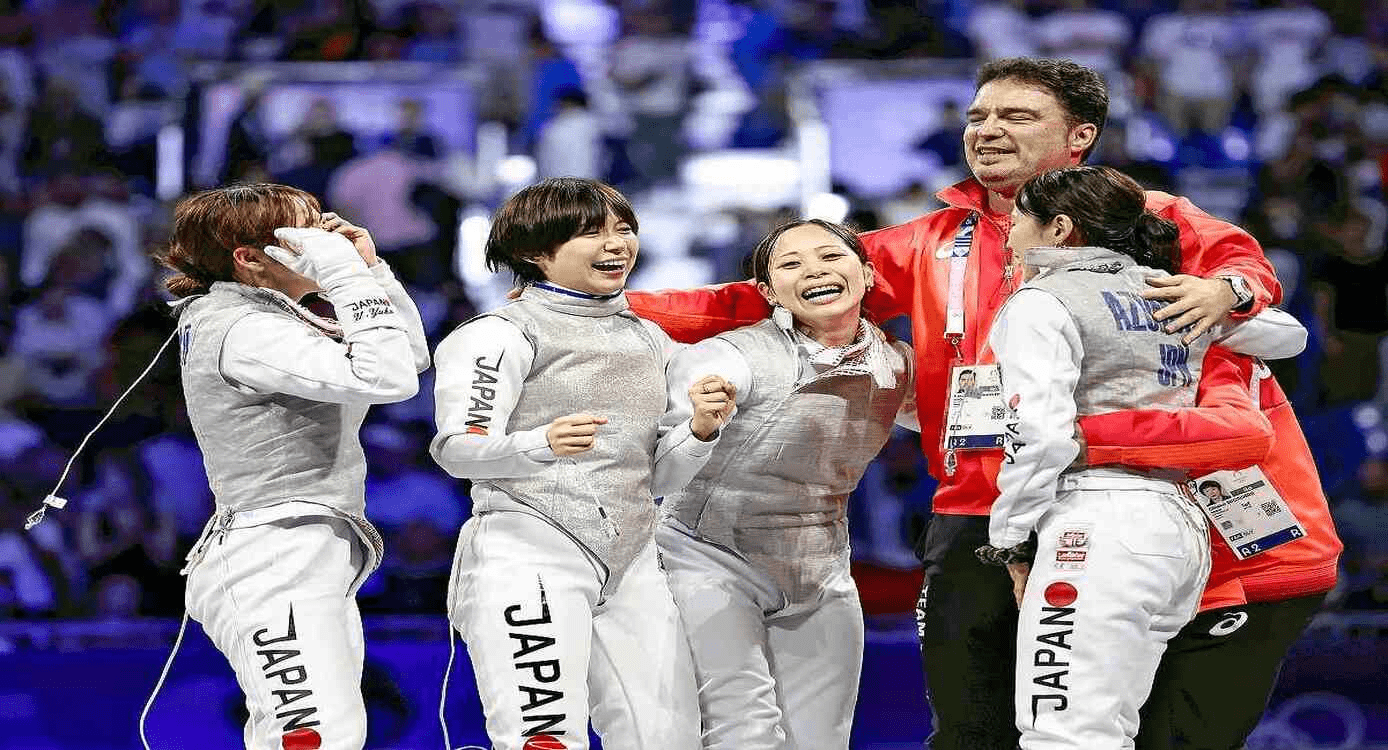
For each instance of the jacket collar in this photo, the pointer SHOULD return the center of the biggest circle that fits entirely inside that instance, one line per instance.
(967, 194)
(1099, 259)
(970, 195)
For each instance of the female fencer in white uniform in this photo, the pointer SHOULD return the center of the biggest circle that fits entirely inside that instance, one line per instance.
(276, 396)
(756, 547)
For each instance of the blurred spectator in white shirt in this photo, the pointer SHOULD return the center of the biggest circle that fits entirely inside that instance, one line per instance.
(651, 66)
(59, 337)
(1002, 28)
(72, 47)
(571, 144)
(1287, 38)
(71, 204)
(1090, 36)
(1191, 51)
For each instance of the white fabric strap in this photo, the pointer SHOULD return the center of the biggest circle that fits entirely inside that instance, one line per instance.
(958, 266)
(1255, 383)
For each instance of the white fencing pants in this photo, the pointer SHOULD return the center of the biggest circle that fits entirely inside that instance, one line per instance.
(770, 677)
(278, 600)
(549, 652)
(1120, 567)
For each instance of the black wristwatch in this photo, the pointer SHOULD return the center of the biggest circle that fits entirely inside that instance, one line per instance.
(1242, 294)
(990, 555)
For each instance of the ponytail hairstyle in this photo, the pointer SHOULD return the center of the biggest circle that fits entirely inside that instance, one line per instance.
(1109, 210)
(210, 225)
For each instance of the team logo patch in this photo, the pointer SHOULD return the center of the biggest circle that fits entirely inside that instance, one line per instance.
(1061, 594)
(1229, 623)
(301, 739)
(1072, 548)
(543, 742)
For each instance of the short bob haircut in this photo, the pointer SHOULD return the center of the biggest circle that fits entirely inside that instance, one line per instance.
(536, 221)
(760, 260)
(208, 226)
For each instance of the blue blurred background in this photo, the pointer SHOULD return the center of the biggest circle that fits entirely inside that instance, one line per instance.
(718, 118)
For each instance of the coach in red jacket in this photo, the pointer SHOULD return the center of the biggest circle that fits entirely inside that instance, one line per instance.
(949, 271)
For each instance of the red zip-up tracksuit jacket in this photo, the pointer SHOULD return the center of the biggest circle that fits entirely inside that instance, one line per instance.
(912, 279)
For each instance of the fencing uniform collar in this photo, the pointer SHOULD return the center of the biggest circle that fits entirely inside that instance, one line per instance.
(272, 297)
(573, 302)
(866, 354)
(1099, 259)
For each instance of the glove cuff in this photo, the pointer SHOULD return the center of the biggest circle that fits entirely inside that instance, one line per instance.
(990, 555)
(362, 304)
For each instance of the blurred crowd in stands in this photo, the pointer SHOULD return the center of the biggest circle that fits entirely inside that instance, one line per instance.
(1273, 113)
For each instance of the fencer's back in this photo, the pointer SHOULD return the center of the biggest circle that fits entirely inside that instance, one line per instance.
(1129, 361)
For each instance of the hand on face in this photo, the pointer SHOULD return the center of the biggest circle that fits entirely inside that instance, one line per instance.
(361, 239)
(713, 399)
(324, 257)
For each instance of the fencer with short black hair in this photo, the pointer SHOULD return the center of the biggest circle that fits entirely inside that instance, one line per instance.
(550, 405)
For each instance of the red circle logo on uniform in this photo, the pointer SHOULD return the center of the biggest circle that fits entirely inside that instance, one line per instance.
(543, 742)
(301, 739)
(1061, 594)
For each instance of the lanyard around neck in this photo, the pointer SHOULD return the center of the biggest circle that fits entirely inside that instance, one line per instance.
(958, 266)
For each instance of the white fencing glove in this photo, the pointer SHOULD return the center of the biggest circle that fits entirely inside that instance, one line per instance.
(325, 257)
(330, 260)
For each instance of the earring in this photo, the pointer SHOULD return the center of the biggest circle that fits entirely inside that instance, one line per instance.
(782, 317)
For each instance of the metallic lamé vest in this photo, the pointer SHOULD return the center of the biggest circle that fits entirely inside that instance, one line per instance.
(1128, 361)
(775, 490)
(264, 449)
(608, 365)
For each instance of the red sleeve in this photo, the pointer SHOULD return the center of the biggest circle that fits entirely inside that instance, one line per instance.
(892, 252)
(691, 315)
(1223, 431)
(1213, 247)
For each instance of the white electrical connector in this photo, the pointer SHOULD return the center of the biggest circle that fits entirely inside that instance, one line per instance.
(52, 501)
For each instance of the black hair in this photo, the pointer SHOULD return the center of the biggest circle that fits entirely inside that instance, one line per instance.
(1081, 91)
(760, 260)
(1108, 208)
(534, 222)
